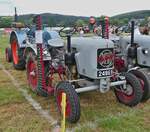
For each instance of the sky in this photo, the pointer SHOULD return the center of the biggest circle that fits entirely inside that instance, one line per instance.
(73, 7)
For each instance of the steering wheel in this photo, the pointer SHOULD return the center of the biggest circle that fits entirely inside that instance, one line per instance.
(64, 32)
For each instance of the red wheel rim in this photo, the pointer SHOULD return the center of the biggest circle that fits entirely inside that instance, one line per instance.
(14, 47)
(32, 74)
(68, 105)
(125, 97)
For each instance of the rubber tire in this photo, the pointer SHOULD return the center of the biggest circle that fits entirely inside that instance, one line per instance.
(73, 99)
(131, 79)
(30, 56)
(8, 54)
(142, 75)
(21, 62)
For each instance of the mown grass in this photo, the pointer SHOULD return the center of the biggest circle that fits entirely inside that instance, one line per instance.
(16, 114)
(99, 112)
(4, 42)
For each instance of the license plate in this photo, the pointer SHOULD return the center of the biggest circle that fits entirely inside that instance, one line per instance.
(103, 73)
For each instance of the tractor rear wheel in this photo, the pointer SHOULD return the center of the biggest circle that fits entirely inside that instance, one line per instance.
(145, 84)
(72, 101)
(8, 54)
(17, 54)
(132, 94)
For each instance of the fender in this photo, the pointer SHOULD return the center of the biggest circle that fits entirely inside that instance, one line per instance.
(28, 49)
(32, 47)
(134, 68)
(20, 35)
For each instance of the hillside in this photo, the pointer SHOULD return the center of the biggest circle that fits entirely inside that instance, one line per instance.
(136, 15)
(54, 19)
(66, 20)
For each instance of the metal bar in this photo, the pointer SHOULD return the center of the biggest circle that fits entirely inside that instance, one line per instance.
(117, 83)
(78, 80)
(85, 89)
(95, 87)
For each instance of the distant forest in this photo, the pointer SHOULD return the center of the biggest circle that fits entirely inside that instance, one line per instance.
(53, 20)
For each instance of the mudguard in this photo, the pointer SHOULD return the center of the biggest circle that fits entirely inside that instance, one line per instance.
(21, 36)
(32, 47)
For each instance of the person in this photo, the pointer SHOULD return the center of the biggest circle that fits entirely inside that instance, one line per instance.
(145, 30)
(81, 33)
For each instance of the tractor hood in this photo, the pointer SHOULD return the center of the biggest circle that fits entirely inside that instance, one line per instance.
(94, 56)
(90, 43)
(142, 40)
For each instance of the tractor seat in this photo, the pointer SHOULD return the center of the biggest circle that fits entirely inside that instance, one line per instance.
(31, 32)
(46, 36)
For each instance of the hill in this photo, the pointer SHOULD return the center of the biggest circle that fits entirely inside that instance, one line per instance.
(68, 20)
(54, 19)
(133, 15)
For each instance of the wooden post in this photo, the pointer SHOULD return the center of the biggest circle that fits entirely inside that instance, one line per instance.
(63, 106)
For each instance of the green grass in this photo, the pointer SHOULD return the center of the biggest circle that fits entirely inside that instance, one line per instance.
(4, 42)
(8, 92)
(99, 112)
(16, 114)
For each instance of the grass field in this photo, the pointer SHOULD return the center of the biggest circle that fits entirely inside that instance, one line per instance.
(99, 112)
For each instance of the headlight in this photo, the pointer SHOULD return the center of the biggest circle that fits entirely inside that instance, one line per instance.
(145, 51)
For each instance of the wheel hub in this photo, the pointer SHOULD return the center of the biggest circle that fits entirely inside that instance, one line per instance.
(128, 90)
(32, 73)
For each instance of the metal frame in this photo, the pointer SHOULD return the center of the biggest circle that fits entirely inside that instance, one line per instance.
(96, 87)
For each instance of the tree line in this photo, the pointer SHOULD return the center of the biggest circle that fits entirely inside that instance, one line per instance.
(53, 20)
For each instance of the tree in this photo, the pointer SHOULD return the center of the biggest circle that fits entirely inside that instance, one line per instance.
(5, 22)
(114, 22)
(80, 23)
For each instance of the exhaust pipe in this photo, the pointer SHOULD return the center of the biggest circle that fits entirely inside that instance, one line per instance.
(132, 33)
(16, 16)
(132, 50)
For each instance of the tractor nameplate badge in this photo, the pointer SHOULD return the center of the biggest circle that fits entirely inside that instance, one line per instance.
(105, 61)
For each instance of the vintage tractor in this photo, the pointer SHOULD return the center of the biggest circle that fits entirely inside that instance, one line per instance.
(133, 56)
(84, 64)
(17, 44)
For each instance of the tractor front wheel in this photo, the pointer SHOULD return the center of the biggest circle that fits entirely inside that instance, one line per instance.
(32, 73)
(145, 84)
(132, 94)
(72, 101)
